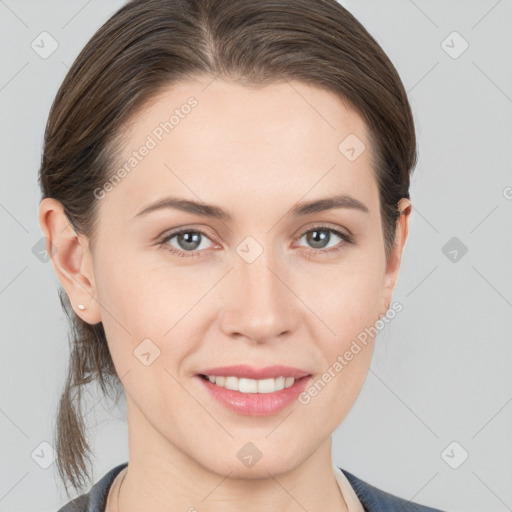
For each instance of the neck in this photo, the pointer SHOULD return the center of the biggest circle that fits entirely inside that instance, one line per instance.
(161, 477)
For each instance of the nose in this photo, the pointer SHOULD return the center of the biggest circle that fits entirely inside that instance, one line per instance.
(258, 303)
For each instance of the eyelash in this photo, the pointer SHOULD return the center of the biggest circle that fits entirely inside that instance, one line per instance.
(162, 242)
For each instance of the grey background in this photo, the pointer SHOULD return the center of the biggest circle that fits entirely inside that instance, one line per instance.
(441, 369)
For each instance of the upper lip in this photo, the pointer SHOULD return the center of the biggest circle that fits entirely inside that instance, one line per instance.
(250, 372)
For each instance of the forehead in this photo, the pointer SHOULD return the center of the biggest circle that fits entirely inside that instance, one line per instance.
(222, 141)
(234, 112)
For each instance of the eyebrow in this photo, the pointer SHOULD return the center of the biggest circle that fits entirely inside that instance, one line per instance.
(299, 210)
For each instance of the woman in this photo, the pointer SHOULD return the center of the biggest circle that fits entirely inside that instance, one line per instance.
(226, 200)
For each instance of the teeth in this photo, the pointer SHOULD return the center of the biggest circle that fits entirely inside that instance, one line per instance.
(251, 385)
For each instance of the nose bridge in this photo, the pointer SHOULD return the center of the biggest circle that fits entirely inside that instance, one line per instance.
(260, 307)
(260, 285)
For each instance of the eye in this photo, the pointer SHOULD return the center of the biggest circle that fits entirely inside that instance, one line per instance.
(192, 242)
(188, 241)
(320, 236)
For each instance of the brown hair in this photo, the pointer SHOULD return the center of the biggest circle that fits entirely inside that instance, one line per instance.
(149, 44)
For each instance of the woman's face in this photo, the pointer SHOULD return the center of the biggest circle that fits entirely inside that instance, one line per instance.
(268, 282)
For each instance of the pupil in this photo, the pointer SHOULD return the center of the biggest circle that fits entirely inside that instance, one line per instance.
(318, 237)
(189, 240)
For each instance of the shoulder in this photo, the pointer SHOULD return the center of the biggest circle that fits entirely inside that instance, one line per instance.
(95, 500)
(377, 500)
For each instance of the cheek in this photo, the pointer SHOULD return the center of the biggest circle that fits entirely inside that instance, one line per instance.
(127, 299)
(348, 309)
(345, 295)
(143, 298)
(139, 289)
(346, 298)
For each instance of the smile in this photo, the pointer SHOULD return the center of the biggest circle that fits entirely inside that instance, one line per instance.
(251, 385)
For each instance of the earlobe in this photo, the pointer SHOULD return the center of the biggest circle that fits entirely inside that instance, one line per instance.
(71, 259)
(385, 308)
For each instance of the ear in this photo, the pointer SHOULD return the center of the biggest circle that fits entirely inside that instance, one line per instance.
(71, 259)
(393, 265)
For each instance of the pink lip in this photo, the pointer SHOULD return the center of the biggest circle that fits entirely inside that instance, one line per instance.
(250, 372)
(255, 404)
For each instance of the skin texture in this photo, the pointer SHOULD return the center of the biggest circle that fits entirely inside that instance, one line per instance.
(255, 152)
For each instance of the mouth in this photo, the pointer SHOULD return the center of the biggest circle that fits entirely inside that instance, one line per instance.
(246, 385)
(251, 372)
(253, 397)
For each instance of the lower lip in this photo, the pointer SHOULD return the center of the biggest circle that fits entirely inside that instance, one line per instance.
(256, 404)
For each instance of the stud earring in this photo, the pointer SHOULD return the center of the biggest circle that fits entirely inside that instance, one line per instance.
(81, 306)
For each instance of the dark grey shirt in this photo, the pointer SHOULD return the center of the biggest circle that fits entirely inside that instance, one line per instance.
(372, 499)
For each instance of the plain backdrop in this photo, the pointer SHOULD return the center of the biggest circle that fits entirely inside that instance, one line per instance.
(433, 421)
